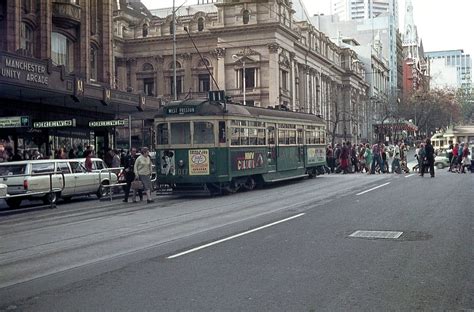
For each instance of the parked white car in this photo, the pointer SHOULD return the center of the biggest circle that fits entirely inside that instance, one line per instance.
(31, 179)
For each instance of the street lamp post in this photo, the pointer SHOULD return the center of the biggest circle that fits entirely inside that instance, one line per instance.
(242, 60)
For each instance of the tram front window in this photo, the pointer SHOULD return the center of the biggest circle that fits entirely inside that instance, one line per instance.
(203, 133)
(162, 134)
(180, 133)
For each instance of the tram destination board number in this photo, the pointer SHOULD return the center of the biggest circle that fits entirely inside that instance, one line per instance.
(14, 122)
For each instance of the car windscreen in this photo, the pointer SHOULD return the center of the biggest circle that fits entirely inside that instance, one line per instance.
(9, 170)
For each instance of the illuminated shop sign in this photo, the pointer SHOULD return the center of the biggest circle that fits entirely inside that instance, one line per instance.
(109, 123)
(14, 122)
(55, 123)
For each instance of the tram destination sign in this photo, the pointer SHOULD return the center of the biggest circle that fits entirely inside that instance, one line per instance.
(55, 123)
(181, 110)
(14, 122)
(109, 123)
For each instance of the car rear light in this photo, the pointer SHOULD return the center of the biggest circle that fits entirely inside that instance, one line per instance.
(25, 184)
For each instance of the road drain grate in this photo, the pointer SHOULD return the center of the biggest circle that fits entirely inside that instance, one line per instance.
(376, 234)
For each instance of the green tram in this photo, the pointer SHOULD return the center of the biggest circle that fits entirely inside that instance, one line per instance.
(206, 146)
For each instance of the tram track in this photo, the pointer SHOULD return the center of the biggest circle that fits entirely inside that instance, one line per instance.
(97, 234)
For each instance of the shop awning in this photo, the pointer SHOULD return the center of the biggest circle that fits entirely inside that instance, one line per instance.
(403, 125)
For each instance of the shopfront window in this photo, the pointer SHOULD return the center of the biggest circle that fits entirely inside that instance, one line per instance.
(61, 50)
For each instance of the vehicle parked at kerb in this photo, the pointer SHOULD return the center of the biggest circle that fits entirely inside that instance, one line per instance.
(51, 179)
(217, 148)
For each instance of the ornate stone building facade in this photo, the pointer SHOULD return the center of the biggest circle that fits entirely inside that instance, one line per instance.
(256, 51)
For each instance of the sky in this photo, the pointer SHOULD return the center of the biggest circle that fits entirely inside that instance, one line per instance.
(442, 24)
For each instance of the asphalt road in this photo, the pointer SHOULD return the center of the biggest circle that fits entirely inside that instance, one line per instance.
(283, 248)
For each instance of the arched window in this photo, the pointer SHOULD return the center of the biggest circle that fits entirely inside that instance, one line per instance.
(62, 51)
(178, 65)
(27, 39)
(145, 30)
(204, 63)
(246, 16)
(147, 67)
(93, 67)
(200, 24)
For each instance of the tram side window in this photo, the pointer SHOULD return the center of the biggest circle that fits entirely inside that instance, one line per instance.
(180, 133)
(271, 135)
(222, 134)
(235, 136)
(323, 136)
(300, 136)
(162, 134)
(252, 136)
(203, 133)
(282, 137)
(260, 136)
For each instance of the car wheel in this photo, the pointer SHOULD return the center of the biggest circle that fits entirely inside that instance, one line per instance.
(103, 190)
(50, 198)
(439, 165)
(14, 202)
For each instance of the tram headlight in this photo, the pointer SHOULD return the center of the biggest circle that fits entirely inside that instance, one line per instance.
(181, 163)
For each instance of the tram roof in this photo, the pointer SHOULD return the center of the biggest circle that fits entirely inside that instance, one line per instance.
(206, 108)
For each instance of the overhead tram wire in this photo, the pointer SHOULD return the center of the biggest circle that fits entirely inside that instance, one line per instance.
(202, 58)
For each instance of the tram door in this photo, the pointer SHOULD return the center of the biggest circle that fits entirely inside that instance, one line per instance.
(300, 151)
(272, 149)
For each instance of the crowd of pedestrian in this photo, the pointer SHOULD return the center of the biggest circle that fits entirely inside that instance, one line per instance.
(458, 155)
(366, 158)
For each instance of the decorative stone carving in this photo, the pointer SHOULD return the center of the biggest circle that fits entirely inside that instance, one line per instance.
(218, 53)
(273, 47)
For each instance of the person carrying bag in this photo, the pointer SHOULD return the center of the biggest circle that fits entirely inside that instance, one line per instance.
(129, 173)
(143, 170)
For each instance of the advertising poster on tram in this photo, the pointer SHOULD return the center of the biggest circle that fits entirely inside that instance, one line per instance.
(316, 155)
(199, 162)
(247, 160)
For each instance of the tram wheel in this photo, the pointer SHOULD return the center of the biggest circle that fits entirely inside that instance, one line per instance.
(250, 184)
(231, 188)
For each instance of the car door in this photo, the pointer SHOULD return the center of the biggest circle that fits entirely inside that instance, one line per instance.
(69, 185)
(82, 177)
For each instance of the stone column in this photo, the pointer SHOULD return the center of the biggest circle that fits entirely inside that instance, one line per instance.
(83, 61)
(274, 75)
(13, 22)
(292, 81)
(106, 54)
(219, 73)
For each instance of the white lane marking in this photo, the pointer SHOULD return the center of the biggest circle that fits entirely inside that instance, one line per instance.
(233, 236)
(374, 188)
(410, 175)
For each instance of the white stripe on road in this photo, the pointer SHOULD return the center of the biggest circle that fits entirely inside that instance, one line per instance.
(374, 188)
(233, 236)
(410, 175)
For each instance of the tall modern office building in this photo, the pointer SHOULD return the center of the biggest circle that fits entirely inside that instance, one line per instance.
(370, 12)
(362, 9)
(450, 68)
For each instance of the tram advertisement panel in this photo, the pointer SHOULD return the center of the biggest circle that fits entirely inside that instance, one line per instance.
(199, 162)
(316, 155)
(168, 166)
(247, 160)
